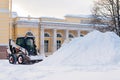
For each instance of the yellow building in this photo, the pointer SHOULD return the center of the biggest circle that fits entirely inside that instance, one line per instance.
(50, 33)
(5, 34)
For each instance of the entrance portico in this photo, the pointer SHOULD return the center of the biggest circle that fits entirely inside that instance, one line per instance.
(54, 41)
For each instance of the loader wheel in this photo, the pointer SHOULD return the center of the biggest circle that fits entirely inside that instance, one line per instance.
(21, 59)
(12, 59)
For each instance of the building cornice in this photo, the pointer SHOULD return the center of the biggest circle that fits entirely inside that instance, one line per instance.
(55, 25)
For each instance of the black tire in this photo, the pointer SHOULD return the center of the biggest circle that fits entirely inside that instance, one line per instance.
(21, 59)
(12, 59)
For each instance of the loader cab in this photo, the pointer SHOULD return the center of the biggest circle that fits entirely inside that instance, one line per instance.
(28, 43)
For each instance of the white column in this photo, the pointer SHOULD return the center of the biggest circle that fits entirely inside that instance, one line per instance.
(54, 40)
(42, 40)
(78, 33)
(66, 34)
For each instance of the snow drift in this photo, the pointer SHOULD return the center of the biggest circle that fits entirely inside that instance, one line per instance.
(95, 48)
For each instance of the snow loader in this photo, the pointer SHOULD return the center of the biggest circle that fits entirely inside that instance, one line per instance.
(23, 51)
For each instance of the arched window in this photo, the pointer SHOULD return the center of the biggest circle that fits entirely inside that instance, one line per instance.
(59, 35)
(71, 35)
(81, 35)
(46, 34)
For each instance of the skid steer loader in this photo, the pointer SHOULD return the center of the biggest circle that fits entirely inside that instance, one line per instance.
(23, 51)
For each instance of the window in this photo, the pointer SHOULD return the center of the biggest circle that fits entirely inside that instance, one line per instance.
(71, 36)
(29, 42)
(59, 35)
(58, 44)
(46, 42)
(81, 35)
(20, 42)
(46, 35)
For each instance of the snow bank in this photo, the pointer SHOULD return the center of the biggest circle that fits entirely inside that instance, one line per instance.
(96, 48)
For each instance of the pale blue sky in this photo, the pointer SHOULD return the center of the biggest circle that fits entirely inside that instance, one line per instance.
(51, 8)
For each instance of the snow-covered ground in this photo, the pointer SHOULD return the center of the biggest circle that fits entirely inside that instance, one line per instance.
(39, 72)
(93, 57)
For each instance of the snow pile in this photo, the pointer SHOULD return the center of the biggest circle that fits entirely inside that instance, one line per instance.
(96, 48)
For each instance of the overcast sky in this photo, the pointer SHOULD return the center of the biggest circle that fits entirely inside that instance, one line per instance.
(51, 8)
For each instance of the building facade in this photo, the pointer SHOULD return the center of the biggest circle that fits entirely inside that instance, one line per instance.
(50, 33)
(5, 34)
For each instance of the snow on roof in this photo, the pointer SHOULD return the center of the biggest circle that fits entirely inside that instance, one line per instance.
(87, 16)
(52, 18)
(79, 16)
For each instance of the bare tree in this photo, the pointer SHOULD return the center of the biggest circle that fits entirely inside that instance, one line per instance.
(108, 12)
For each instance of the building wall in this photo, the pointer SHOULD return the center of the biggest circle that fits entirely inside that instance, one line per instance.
(4, 21)
(5, 34)
(50, 19)
(78, 19)
(13, 27)
(10, 28)
(22, 25)
(21, 28)
(72, 20)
